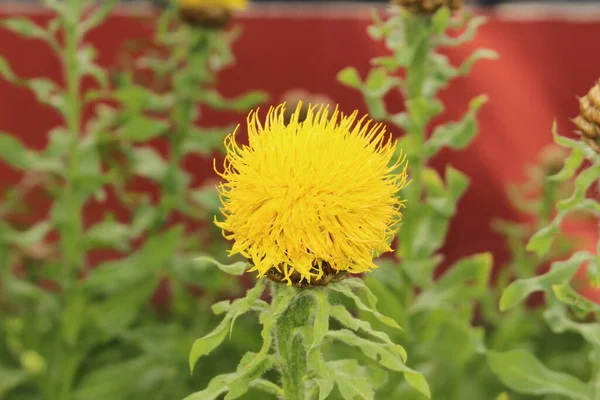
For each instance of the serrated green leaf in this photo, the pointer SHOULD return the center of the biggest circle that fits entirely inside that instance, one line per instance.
(349, 76)
(557, 319)
(346, 290)
(467, 35)
(523, 373)
(560, 272)
(236, 269)
(479, 54)
(579, 304)
(582, 183)
(570, 166)
(391, 356)
(541, 241)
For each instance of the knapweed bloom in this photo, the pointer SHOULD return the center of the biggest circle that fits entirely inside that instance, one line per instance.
(306, 200)
(588, 120)
(428, 6)
(209, 13)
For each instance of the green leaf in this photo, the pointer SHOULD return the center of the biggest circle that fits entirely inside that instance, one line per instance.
(25, 27)
(33, 235)
(418, 381)
(236, 269)
(99, 15)
(440, 20)
(580, 305)
(118, 381)
(242, 103)
(205, 141)
(11, 379)
(141, 129)
(456, 135)
(464, 282)
(348, 320)
(389, 355)
(221, 307)
(217, 386)
(422, 110)
(582, 184)
(570, 166)
(351, 379)
(468, 34)
(13, 152)
(479, 54)
(86, 57)
(149, 164)
(349, 76)
(6, 71)
(108, 233)
(321, 321)
(557, 319)
(560, 272)
(346, 290)
(115, 314)
(47, 92)
(206, 344)
(523, 373)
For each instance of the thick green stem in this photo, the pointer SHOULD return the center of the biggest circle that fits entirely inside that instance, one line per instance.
(71, 228)
(290, 346)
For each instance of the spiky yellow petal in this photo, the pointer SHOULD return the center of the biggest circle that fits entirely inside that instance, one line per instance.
(301, 194)
(227, 4)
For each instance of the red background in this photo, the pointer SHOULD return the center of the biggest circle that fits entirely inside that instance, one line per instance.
(543, 64)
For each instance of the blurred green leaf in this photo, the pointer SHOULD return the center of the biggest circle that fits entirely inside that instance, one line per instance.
(557, 319)
(142, 129)
(523, 373)
(570, 167)
(236, 269)
(582, 183)
(149, 163)
(560, 272)
(349, 76)
(86, 57)
(25, 28)
(217, 386)
(118, 311)
(467, 35)
(108, 233)
(205, 141)
(440, 20)
(422, 110)
(479, 54)
(31, 236)
(351, 379)
(13, 152)
(241, 103)
(118, 381)
(99, 15)
(11, 379)
(579, 304)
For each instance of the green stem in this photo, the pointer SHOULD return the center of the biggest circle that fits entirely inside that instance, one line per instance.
(290, 347)
(72, 231)
(183, 118)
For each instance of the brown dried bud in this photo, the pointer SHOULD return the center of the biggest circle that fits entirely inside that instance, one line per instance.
(206, 17)
(295, 96)
(552, 159)
(588, 120)
(427, 6)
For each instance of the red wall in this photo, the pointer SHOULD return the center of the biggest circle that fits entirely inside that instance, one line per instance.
(543, 65)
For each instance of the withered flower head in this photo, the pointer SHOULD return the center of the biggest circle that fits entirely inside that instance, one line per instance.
(588, 120)
(427, 6)
(552, 159)
(293, 97)
(212, 14)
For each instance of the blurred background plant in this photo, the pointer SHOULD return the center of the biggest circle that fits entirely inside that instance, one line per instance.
(567, 362)
(109, 308)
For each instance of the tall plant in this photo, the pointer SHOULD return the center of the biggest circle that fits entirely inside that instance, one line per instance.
(69, 331)
(438, 318)
(567, 312)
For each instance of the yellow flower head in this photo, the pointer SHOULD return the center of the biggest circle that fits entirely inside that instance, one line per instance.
(227, 4)
(304, 196)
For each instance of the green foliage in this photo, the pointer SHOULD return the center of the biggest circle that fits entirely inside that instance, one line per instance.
(297, 338)
(70, 329)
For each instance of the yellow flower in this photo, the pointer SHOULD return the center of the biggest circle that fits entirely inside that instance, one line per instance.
(306, 195)
(227, 4)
